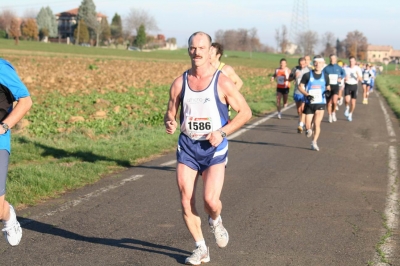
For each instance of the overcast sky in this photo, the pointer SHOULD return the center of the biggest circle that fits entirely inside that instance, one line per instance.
(379, 21)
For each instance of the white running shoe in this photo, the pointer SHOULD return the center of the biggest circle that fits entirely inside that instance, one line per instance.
(279, 116)
(13, 233)
(314, 146)
(221, 234)
(309, 133)
(337, 107)
(200, 255)
(346, 113)
(334, 119)
(340, 101)
(350, 118)
(330, 118)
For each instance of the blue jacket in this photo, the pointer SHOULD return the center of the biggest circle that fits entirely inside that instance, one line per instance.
(334, 70)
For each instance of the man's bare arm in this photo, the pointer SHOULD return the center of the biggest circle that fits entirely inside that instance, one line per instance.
(173, 106)
(238, 103)
(21, 108)
(230, 72)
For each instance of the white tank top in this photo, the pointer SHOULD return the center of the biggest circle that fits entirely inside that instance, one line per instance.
(202, 112)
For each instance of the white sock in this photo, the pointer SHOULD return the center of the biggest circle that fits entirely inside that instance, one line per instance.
(301, 124)
(214, 222)
(12, 220)
(350, 114)
(201, 243)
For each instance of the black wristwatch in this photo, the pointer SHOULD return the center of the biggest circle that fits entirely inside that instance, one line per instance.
(5, 127)
(223, 134)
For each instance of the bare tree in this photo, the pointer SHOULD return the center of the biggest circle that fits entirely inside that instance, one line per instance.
(282, 39)
(328, 42)
(97, 26)
(356, 44)
(239, 40)
(14, 30)
(6, 16)
(307, 41)
(137, 17)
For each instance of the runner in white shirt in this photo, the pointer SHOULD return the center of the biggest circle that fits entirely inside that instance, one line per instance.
(353, 76)
(367, 75)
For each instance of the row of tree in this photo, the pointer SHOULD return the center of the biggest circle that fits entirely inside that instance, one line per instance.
(355, 43)
(241, 40)
(90, 27)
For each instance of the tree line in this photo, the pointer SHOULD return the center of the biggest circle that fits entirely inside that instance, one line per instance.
(306, 43)
(89, 28)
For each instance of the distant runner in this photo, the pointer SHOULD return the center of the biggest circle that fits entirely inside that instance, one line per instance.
(341, 87)
(367, 76)
(282, 78)
(298, 97)
(336, 74)
(353, 76)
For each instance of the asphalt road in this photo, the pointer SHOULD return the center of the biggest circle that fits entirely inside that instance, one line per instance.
(283, 204)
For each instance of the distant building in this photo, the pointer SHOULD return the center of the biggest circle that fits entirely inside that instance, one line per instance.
(67, 20)
(376, 53)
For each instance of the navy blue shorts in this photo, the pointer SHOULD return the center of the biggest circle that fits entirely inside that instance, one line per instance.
(199, 155)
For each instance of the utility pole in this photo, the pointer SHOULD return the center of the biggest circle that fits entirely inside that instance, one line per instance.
(299, 21)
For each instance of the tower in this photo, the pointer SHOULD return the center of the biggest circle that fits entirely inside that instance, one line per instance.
(299, 21)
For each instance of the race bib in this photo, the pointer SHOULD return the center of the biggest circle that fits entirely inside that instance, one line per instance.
(198, 128)
(317, 94)
(333, 79)
(281, 80)
(366, 76)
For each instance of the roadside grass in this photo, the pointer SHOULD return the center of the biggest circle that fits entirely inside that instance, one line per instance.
(41, 168)
(389, 86)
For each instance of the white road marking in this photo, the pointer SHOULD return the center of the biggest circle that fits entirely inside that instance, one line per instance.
(168, 163)
(388, 121)
(391, 207)
(73, 203)
(241, 131)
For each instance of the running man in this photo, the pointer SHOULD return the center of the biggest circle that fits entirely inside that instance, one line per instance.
(11, 89)
(367, 75)
(353, 76)
(298, 97)
(336, 74)
(315, 86)
(202, 93)
(282, 78)
(341, 87)
(308, 62)
(216, 52)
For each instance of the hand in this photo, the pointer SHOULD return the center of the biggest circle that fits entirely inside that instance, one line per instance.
(214, 138)
(171, 126)
(2, 131)
(310, 98)
(327, 93)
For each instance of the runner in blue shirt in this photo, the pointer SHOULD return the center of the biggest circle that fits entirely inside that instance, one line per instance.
(315, 86)
(11, 90)
(336, 74)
